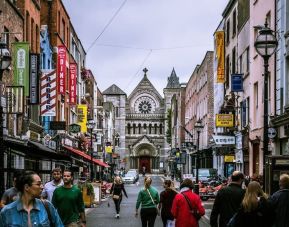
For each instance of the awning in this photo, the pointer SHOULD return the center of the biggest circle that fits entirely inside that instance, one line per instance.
(86, 156)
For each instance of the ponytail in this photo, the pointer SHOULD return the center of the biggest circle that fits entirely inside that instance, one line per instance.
(147, 182)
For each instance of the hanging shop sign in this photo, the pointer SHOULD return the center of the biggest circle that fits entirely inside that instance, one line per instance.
(61, 69)
(224, 140)
(82, 117)
(220, 55)
(34, 80)
(74, 128)
(57, 125)
(224, 120)
(20, 55)
(237, 82)
(229, 158)
(14, 99)
(72, 83)
(48, 93)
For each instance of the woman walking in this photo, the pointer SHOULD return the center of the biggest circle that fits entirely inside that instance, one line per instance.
(255, 209)
(166, 201)
(116, 190)
(187, 206)
(148, 198)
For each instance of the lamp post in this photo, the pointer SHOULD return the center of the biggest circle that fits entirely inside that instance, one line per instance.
(198, 126)
(265, 44)
(90, 125)
(5, 61)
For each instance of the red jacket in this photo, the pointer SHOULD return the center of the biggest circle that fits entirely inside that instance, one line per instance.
(181, 209)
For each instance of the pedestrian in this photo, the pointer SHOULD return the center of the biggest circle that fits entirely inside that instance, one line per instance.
(11, 194)
(143, 170)
(187, 206)
(280, 202)
(228, 200)
(68, 201)
(148, 198)
(116, 191)
(28, 210)
(255, 209)
(50, 186)
(166, 201)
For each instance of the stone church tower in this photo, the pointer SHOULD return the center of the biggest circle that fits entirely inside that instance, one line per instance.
(145, 121)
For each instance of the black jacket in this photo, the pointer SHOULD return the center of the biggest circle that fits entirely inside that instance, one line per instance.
(263, 216)
(116, 189)
(227, 202)
(280, 203)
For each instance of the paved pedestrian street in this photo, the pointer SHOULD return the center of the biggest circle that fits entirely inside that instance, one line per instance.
(103, 215)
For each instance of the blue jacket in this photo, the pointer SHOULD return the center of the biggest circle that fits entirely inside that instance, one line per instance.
(14, 215)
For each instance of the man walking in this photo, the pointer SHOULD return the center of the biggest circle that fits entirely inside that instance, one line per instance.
(11, 194)
(50, 186)
(280, 202)
(227, 201)
(68, 201)
(27, 210)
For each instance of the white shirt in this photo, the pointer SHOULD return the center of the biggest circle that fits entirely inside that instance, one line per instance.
(49, 188)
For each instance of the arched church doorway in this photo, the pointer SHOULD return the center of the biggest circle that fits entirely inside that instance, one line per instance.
(144, 162)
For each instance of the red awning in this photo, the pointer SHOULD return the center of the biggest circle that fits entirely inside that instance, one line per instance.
(86, 156)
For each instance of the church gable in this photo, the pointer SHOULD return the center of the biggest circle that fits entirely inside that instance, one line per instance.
(145, 98)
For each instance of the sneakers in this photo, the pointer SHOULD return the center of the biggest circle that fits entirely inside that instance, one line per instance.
(117, 216)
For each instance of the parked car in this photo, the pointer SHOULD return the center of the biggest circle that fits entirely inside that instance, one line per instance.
(134, 171)
(129, 178)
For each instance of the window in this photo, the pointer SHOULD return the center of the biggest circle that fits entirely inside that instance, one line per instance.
(32, 35)
(287, 15)
(161, 129)
(128, 129)
(6, 36)
(117, 111)
(256, 95)
(248, 60)
(156, 128)
(37, 38)
(228, 32)
(241, 63)
(234, 60)
(234, 23)
(134, 126)
(63, 31)
(139, 128)
(27, 26)
(150, 128)
(227, 66)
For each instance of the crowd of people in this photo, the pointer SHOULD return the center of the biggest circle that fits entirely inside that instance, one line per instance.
(60, 203)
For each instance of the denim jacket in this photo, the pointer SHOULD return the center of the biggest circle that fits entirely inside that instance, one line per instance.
(14, 215)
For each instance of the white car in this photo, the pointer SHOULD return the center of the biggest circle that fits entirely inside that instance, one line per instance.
(129, 178)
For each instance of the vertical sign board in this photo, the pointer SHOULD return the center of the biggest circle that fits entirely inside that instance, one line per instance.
(220, 55)
(237, 82)
(82, 117)
(14, 99)
(48, 93)
(61, 69)
(20, 55)
(34, 81)
(72, 83)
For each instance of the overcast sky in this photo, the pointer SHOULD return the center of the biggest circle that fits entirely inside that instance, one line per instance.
(156, 34)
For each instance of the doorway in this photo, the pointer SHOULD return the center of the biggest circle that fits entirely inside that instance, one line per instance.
(144, 162)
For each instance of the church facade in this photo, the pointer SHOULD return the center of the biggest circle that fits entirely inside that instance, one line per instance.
(140, 126)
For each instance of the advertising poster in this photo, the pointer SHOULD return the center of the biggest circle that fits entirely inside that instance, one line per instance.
(72, 83)
(61, 69)
(220, 55)
(82, 117)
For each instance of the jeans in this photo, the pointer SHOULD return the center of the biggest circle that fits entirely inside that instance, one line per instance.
(117, 204)
(148, 216)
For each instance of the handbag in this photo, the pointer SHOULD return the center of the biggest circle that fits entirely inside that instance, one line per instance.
(115, 196)
(171, 223)
(157, 209)
(194, 211)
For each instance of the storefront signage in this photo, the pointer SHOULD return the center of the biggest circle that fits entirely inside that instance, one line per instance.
(220, 55)
(224, 120)
(237, 82)
(224, 140)
(72, 83)
(82, 117)
(229, 158)
(48, 93)
(34, 80)
(74, 128)
(21, 65)
(57, 125)
(61, 69)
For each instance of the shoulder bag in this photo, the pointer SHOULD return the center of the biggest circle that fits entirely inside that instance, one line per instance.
(194, 211)
(113, 195)
(46, 206)
(157, 209)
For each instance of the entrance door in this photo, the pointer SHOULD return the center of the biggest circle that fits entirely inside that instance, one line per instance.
(144, 161)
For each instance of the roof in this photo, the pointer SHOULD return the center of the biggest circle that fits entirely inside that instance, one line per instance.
(113, 90)
(173, 80)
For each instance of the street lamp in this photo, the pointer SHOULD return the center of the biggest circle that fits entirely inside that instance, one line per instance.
(265, 44)
(5, 61)
(198, 126)
(90, 125)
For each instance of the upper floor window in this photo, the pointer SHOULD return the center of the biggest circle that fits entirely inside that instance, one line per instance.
(228, 32)
(234, 23)
(63, 30)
